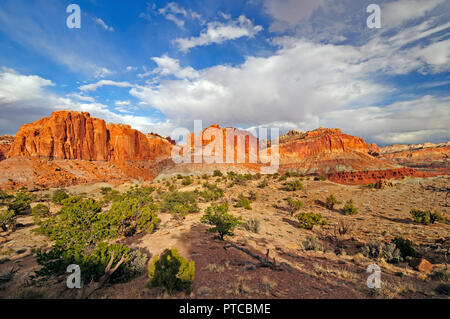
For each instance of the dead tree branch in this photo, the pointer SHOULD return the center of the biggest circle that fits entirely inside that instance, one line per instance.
(263, 261)
(88, 290)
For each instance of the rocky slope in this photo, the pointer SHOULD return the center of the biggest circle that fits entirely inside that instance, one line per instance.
(326, 151)
(5, 145)
(426, 157)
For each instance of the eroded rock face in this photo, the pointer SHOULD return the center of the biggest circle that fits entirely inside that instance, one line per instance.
(321, 141)
(326, 151)
(373, 176)
(373, 149)
(5, 145)
(234, 145)
(428, 156)
(78, 136)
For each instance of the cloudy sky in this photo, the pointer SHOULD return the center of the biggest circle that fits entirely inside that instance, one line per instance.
(292, 64)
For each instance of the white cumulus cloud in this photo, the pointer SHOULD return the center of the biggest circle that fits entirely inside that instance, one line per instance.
(219, 32)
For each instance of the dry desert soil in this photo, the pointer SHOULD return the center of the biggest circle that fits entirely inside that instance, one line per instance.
(333, 268)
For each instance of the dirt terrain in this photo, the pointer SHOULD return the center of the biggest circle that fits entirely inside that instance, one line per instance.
(335, 270)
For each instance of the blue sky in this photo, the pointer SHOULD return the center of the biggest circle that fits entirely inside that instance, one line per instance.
(292, 64)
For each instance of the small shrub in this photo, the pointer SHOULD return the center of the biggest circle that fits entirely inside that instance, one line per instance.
(130, 215)
(321, 177)
(443, 289)
(294, 205)
(312, 243)
(308, 220)
(422, 217)
(388, 252)
(405, 246)
(252, 196)
(349, 208)
(5, 197)
(252, 225)
(293, 186)
(135, 266)
(180, 203)
(105, 190)
(263, 184)
(212, 192)
(243, 202)
(217, 173)
(224, 223)
(21, 204)
(292, 174)
(427, 217)
(59, 195)
(437, 217)
(330, 202)
(187, 180)
(7, 220)
(171, 272)
(111, 196)
(39, 211)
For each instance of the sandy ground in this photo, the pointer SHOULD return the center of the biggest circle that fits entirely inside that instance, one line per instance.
(223, 272)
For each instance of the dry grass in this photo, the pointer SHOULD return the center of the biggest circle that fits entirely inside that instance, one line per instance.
(392, 290)
(340, 272)
(241, 287)
(268, 284)
(217, 268)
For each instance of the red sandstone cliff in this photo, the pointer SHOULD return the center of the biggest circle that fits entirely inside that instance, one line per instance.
(228, 141)
(71, 147)
(326, 151)
(74, 135)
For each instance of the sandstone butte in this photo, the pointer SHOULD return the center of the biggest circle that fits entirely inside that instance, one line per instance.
(232, 141)
(72, 147)
(77, 136)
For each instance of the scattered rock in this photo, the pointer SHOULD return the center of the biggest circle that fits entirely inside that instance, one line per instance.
(421, 264)
(204, 291)
(383, 183)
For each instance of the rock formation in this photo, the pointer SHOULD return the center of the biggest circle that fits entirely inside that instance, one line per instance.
(326, 151)
(72, 147)
(5, 145)
(427, 157)
(238, 145)
(78, 136)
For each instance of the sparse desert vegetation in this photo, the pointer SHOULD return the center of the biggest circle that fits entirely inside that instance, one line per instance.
(138, 231)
